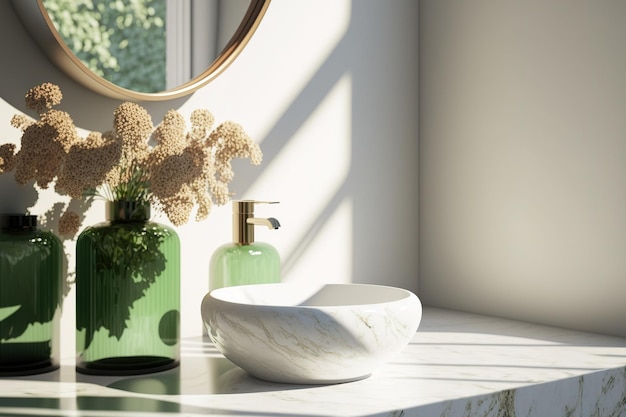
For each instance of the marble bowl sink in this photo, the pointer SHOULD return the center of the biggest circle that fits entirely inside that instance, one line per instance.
(292, 333)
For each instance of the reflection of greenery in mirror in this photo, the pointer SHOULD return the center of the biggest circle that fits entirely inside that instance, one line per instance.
(121, 41)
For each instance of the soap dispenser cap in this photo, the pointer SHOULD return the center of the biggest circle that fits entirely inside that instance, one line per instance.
(18, 222)
(244, 221)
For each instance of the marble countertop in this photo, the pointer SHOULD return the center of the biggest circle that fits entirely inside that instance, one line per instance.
(457, 365)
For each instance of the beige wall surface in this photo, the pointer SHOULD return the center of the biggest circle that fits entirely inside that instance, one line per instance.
(523, 160)
(329, 91)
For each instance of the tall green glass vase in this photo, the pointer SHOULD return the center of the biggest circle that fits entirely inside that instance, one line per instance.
(127, 294)
(31, 288)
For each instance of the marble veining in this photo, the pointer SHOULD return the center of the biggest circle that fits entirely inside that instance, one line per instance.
(457, 365)
(278, 337)
(601, 394)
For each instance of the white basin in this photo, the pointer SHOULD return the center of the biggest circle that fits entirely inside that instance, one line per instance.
(324, 334)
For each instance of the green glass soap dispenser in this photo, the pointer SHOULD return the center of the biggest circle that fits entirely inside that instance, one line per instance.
(245, 261)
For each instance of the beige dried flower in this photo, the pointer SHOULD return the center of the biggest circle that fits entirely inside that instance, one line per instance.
(69, 223)
(41, 154)
(65, 133)
(44, 143)
(21, 121)
(88, 164)
(204, 206)
(181, 167)
(178, 207)
(170, 134)
(7, 157)
(184, 170)
(132, 123)
(43, 97)
(231, 141)
(201, 124)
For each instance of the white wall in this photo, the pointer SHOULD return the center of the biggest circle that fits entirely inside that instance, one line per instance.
(523, 160)
(329, 90)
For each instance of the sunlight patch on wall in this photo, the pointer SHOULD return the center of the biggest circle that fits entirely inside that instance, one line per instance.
(301, 58)
(307, 177)
(328, 256)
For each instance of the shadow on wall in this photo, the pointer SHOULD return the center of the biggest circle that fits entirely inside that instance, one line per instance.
(379, 54)
(383, 171)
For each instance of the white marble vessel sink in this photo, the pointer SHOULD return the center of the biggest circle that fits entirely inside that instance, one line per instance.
(325, 334)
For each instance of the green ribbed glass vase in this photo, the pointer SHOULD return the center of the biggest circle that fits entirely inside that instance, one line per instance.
(31, 288)
(127, 294)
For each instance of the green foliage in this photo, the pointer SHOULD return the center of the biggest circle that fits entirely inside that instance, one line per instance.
(122, 41)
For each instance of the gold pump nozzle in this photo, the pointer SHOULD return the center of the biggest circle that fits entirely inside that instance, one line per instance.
(244, 221)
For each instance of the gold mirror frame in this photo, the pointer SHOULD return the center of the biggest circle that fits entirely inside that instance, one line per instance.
(33, 15)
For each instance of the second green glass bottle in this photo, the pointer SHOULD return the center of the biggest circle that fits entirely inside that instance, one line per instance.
(127, 294)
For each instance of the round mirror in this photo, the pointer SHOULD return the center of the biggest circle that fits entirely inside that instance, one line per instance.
(144, 50)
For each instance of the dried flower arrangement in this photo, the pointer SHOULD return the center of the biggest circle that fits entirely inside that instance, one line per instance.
(183, 170)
